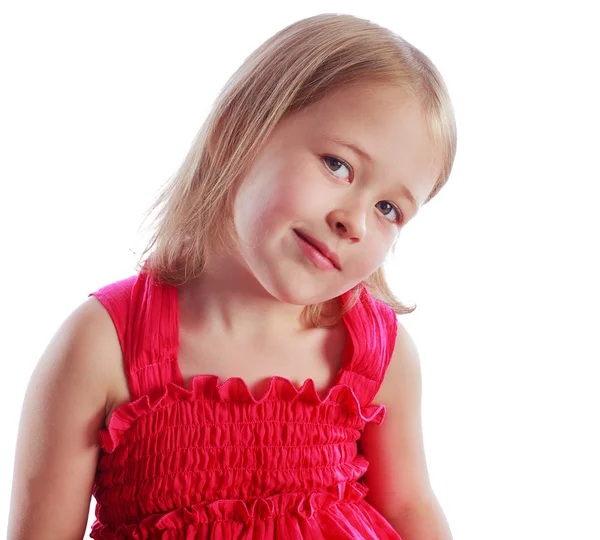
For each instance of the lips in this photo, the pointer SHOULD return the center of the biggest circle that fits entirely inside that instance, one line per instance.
(320, 246)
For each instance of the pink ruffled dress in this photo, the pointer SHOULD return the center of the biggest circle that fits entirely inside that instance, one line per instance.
(216, 462)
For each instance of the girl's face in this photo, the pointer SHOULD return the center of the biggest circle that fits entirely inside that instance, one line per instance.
(307, 182)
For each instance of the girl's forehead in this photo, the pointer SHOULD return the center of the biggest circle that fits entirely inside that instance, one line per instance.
(361, 109)
(381, 117)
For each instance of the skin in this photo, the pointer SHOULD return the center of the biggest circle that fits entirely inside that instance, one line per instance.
(256, 294)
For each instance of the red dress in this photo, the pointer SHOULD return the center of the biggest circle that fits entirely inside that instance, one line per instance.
(217, 462)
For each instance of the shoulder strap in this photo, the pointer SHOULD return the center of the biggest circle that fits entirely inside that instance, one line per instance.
(144, 315)
(116, 299)
(373, 327)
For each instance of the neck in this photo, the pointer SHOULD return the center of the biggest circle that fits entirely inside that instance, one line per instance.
(228, 300)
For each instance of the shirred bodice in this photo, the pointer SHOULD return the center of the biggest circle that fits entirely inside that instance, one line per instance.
(214, 461)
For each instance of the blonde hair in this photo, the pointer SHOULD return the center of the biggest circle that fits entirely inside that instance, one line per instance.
(294, 68)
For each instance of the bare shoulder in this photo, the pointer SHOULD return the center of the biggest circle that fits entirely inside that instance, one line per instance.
(397, 476)
(64, 406)
(86, 349)
(83, 353)
(404, 369)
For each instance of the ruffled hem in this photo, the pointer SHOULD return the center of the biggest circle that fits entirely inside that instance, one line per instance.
(234, 389)
(340, 512)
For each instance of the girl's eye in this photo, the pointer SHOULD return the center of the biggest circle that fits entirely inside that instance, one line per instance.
(336, 164)
(391, 206)
(388, 206)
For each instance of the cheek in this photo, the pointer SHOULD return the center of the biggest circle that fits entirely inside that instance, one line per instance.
(283, 199)
(375, 254)
(265, 204)
(247, 211)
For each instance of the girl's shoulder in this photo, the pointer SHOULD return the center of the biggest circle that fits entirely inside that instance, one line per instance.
(64, 406)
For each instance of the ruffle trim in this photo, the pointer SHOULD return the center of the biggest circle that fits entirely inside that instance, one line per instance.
(234, 389)
(191, 519)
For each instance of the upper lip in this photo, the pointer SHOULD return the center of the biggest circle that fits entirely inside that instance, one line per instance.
(321, 247)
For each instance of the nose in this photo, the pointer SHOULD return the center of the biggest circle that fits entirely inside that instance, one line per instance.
(348, 224)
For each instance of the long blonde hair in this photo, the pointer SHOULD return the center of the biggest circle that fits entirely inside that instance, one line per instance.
(295, 68)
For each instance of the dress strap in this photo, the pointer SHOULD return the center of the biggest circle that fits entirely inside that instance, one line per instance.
(373, 327)
(144, 315)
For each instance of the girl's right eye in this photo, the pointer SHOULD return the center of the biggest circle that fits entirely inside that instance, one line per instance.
(336, 163)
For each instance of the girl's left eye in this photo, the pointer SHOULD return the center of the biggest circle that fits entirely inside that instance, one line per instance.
(386, 211)
(392, 206)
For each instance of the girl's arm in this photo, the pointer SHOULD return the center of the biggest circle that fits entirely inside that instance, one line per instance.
(397, 477)
(64, 406)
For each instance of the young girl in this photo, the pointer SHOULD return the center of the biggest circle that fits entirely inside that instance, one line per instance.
(236, 385)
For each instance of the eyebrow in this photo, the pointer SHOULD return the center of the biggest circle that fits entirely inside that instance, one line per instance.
(366, 156)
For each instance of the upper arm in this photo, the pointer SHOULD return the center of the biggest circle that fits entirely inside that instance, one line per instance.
(64, 406)
(397, 476)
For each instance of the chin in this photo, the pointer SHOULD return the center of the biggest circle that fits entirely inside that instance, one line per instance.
(292, 284)
(293, 290)
(297, 297)
(298, 293)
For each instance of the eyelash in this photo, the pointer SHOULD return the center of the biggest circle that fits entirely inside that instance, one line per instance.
(349, 167)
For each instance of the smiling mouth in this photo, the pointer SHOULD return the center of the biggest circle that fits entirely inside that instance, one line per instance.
(318, 252)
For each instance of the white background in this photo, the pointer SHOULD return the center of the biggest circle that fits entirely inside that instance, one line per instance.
(100, 102)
